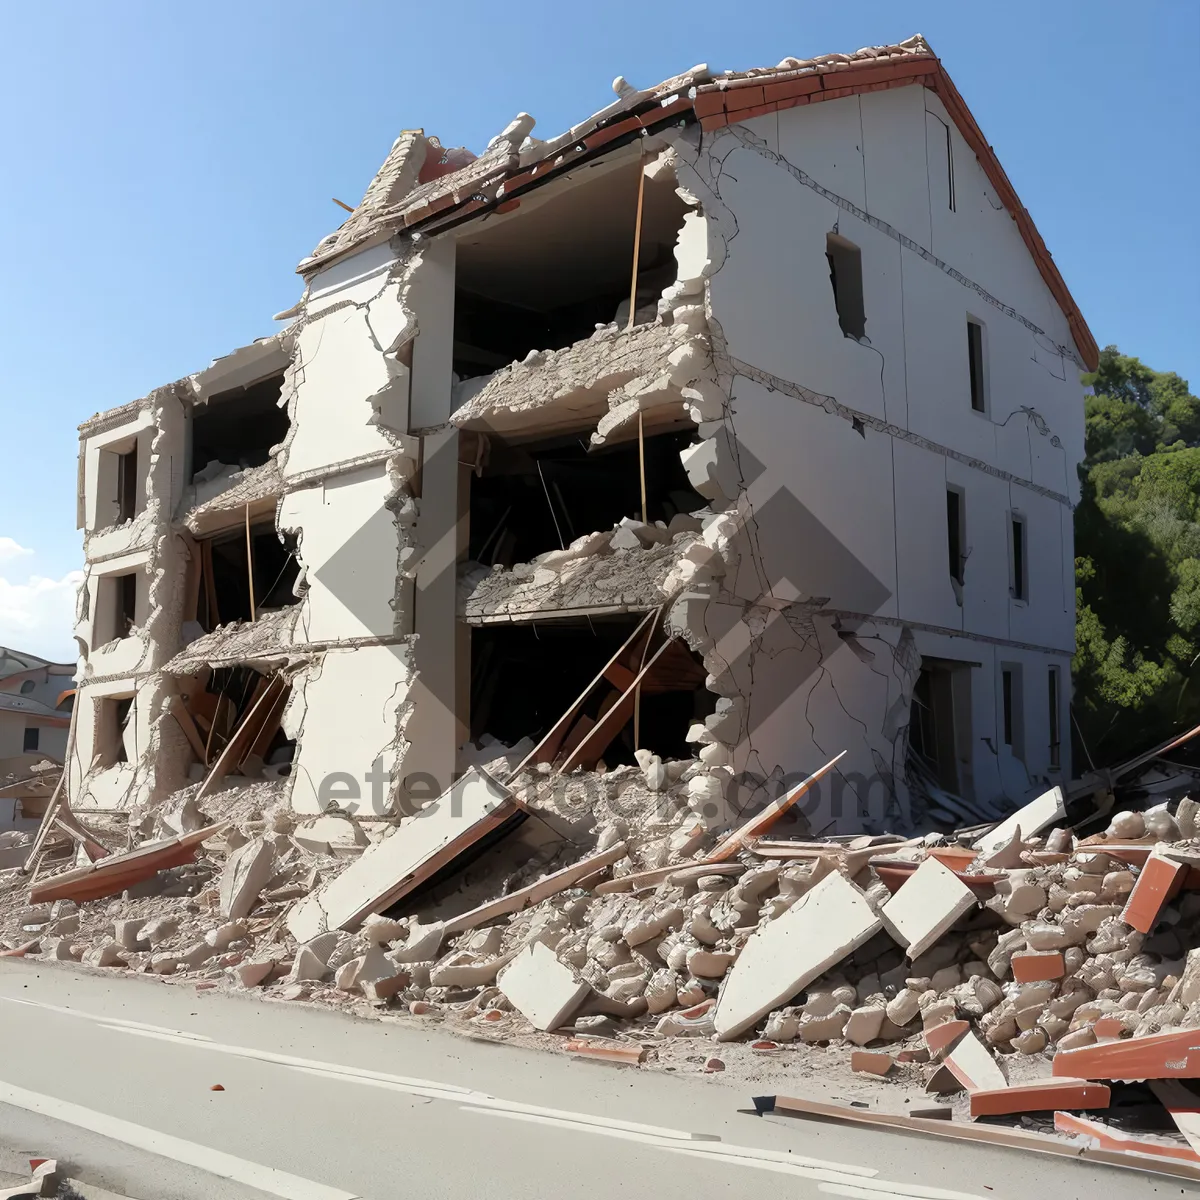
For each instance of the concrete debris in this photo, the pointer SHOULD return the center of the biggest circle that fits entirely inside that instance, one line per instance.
(542, 988)
(473, 808)
(926, 907)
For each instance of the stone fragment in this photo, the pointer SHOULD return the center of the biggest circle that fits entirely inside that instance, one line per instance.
(251, 974)
(925, 908)
(543, 989)
(107, 954)
(160, 930)
(864, 1024)
(247, 871)
(307, 966)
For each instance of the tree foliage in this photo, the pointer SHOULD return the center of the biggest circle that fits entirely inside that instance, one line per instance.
(1137, 570)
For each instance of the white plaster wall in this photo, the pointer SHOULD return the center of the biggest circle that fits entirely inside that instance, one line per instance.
(997, 770)
(124, 784)
(431, 300)
(345, 712)
(876, 498)
(348, 544)
(347, 386)
(99, 483)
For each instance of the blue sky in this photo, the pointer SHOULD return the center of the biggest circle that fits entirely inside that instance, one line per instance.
(169, 164)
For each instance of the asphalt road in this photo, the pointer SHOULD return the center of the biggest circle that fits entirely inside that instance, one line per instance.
(113, 1076)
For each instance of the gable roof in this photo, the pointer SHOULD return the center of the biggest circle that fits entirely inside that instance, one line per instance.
(421, 186)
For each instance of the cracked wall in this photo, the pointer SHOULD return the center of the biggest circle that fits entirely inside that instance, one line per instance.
(349, 468)
(831, 457)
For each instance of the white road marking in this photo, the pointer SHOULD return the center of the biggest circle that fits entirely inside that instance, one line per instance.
(843, 1179)
(87, 1016)
(215, 1162)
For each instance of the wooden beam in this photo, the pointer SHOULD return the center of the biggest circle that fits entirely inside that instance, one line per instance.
(242, 737)
(186, 722)
(547, 749)
(765, 819)
(116, 872)
(535, 893)
(992, 1135)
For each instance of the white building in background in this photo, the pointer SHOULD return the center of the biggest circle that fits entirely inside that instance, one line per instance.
(815, 496)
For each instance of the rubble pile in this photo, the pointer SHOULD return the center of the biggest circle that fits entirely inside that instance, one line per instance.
(628, 565)
(969, 953)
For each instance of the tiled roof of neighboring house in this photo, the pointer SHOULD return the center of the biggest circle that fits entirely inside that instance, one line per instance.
(421, 185)
(13, 662)
(30, 707)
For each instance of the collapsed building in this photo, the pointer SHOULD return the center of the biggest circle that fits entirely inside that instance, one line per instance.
(776, 356)
(605, 503)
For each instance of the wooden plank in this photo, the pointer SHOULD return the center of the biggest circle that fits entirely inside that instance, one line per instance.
(212, 611)
(1106, 1137)
(1158, 1056)
(185, 721)
(1044, 1095)
(195, 571)
(243, 736)
(547, 749)
(619, 675)
(270, 727)
(588, 753)
(992, 1135)
(607, 1050)
(92, 845)
(577, 733)
(535, 893)
(116, 872)
(765, 819)
(58, 797)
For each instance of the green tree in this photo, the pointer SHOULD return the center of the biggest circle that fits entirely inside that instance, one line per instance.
(1137, 537)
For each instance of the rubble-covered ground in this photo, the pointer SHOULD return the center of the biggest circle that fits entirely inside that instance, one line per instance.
(654, 960)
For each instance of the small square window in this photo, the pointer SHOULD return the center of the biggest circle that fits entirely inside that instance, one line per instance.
(30, 741)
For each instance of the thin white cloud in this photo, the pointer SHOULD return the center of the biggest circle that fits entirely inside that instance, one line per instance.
(38, 614)
(10, 548)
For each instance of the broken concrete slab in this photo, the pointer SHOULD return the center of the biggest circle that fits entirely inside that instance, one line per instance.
(925, 908)
(1033, 818)
(474, 807)
(965, 1056)
(543, 989)
(247, 871)
(826, 924)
